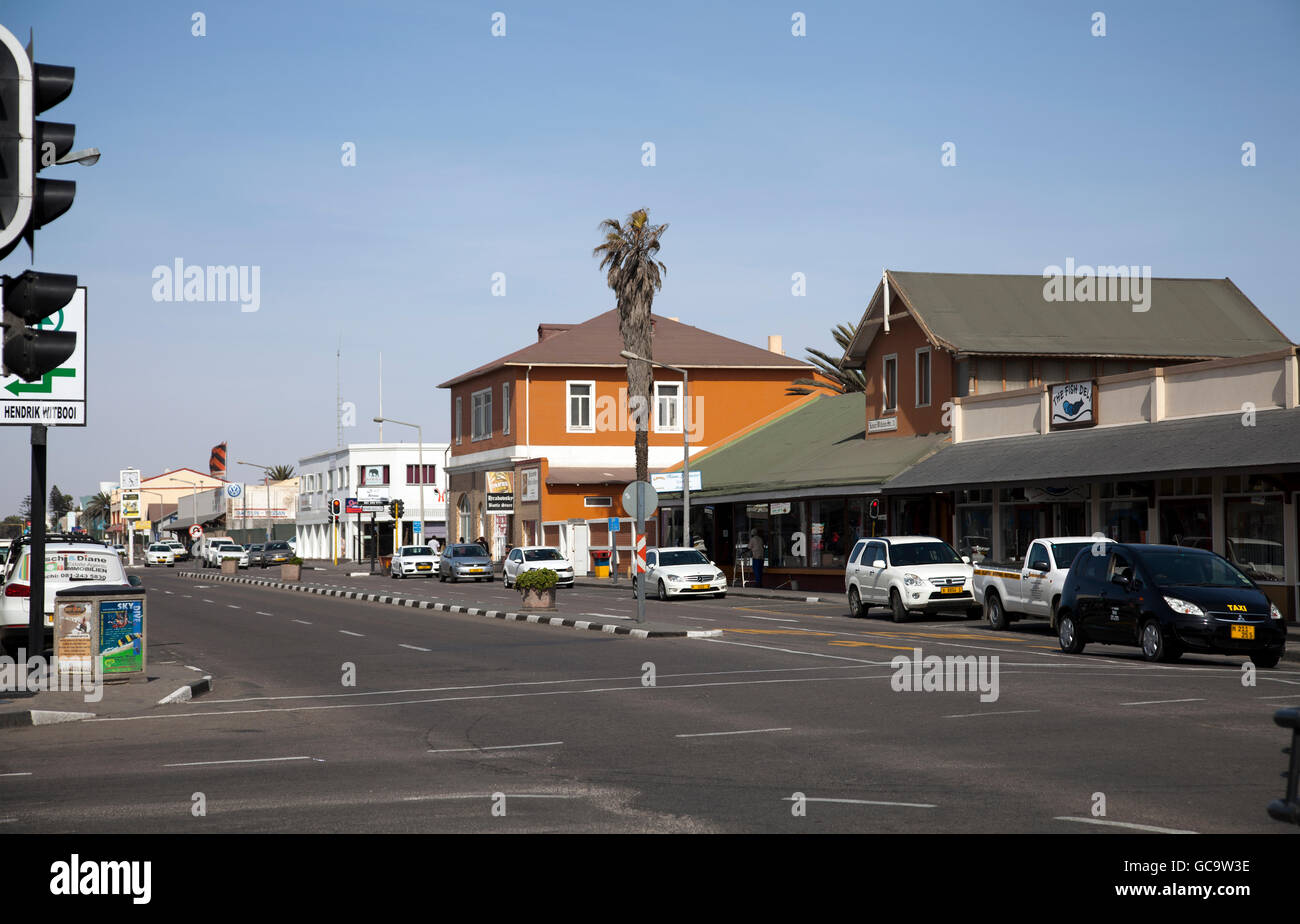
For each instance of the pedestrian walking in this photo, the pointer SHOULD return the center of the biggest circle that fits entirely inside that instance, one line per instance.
(757, 551)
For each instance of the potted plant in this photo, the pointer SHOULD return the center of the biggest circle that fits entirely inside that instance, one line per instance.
(230, 566)
(291, 570)
(538, 588)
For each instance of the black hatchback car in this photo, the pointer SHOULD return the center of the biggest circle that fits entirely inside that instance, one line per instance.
(1167, 599)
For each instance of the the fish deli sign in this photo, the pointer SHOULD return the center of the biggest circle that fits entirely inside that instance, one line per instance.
(1074, 404)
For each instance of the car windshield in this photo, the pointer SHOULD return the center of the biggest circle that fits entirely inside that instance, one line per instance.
(278, 547)
(411, 550)
(543, 555)
(160, 548)
(923, 553)
(468, 551)
(1065, 552)
(1190, 568)
(682, 557)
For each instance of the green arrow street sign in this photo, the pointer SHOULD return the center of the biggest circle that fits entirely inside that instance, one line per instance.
(44, 386)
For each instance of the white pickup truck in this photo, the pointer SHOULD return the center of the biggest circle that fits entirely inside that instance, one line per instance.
(1009, 592)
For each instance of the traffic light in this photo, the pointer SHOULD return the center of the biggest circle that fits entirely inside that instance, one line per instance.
(336, 507)
(28, 146)
(31, 348)
(399, 509)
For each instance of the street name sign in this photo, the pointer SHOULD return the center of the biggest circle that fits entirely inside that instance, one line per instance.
(59, 398)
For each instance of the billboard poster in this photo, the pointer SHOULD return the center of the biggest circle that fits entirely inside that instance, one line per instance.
(130, 505)
(121, 636)
(530, 478)
(500, 492)
(72, 639)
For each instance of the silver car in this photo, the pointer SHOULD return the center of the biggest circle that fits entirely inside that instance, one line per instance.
(465, 561)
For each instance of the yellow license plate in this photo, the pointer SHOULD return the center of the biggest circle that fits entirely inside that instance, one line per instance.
(424, 567)
(699, 587)
(472, 570)
(950, 590)
(1243, 632)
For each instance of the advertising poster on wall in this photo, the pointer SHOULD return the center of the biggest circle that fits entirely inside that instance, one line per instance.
(500, 492)
(121, 636)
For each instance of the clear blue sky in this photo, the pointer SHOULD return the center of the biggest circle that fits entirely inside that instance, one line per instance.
(477, 155)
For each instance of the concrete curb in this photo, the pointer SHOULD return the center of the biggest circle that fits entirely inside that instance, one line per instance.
(40, 717)
(540, 619)
(188, 691)
(625, 585)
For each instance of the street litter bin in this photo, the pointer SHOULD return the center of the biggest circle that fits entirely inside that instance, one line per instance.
(101, 630)
(602, 563)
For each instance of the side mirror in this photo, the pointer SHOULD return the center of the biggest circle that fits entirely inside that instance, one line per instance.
(1122, 581)
(966, 559)
(878, 563)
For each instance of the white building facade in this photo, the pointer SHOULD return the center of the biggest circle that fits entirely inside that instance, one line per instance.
(380, 472)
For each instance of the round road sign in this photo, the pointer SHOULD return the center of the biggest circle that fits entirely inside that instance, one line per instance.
(196, 531)
(649, 498)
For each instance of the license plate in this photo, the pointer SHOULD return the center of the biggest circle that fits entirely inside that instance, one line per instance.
(1242, 632)
(950, 590)
(424, 567)
(475, 570)
(699, 587)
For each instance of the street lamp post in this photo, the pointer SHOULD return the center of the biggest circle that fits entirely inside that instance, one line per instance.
(686, 446)
(266, 488)
(419, 435)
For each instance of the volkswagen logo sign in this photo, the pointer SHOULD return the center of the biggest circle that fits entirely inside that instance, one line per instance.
(234, 490)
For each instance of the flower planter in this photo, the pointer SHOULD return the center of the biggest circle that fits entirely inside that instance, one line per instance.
(230, 566)
(539, 599)
(290, 572)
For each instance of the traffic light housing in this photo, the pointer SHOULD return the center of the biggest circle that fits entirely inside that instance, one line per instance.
(33, 344)
(336, 507)
(399, 509)
(28, 146)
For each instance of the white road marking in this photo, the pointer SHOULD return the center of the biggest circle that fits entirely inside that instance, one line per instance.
(766, 618)
(750, 731)
(496, 747)
(260, 613)
(346, 632)
(167, 592)
(232, 606)
(967, 715)
(1121, 824)
(508, 795)
(255, 760)
(193, 668)
(303, 621)
(863, 802)
(795, 651)
(413, 647)
(187, 596)
(1158, 702)
(16, 774)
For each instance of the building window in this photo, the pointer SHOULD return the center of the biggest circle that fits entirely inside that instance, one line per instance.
(505, 407)
(668, 404)
(458, 424)
(463, 524)
(889, 383)
(370, 475)
(598, 502)
(413, 475)
(481, 414)
(923, 377)
(581, 395)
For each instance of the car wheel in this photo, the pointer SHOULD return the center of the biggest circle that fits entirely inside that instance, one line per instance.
(146, 564)
(1154, 646)
(663, 592)
(1069, 636)
(855, 602)
(1266, 659)
(997, 615)
(721, 596)
(441, 579)
(896, 604)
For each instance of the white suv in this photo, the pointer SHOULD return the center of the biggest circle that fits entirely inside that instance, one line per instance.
(909, 574)
(69, 560)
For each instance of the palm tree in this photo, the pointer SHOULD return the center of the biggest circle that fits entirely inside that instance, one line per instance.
(98, 509)
(833, 379)
(628, 256)
(280, 473)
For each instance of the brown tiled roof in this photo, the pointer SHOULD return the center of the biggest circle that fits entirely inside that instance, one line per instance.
(597, 343)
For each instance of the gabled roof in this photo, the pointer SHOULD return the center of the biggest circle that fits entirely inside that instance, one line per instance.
(597, 342)
(176, 471)
(1007, 315)
(819, 444)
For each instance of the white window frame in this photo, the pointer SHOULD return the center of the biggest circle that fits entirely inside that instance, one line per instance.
(459, 425)
(884, 384)
(929, 376)
(568, 406)
(476, 435)
(600, 500)
(677, 400)
(505, 408)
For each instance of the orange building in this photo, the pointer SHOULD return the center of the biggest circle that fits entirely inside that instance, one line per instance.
(542, 439)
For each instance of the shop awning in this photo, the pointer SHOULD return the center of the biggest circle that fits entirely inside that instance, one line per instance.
(591, 475)
(1197, 445)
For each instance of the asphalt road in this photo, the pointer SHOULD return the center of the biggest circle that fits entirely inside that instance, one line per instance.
(459, 723)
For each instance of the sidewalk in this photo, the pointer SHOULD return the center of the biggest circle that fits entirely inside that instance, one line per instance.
(171, 681)
(623, 586)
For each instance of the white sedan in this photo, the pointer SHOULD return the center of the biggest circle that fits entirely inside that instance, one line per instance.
(160, 554)
(681, 572)
(532, 557)
(235, 553)
(414, 561)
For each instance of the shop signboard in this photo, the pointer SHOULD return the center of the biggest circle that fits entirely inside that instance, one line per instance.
(500, 492)
(1074, 404)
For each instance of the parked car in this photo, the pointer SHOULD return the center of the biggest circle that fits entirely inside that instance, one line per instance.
(528, 557)
(464, 560)
(908, 574)
(681, 572)
(121, 550)
(1167, 600)
(257, 554)
(232, 552)
(212, 550)
(69, 560)
(1009, 591)
(178, 549)
(414, 560)
(276, 553)
(160, 554)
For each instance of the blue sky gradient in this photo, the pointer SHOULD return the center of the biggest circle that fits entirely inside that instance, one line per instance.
(477, 155)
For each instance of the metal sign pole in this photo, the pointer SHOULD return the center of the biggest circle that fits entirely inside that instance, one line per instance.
(636, 551)
(36, 557)
(374, 542)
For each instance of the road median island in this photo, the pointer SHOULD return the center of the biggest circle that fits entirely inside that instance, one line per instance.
(583, 621)
(164, 683)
